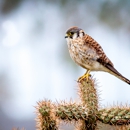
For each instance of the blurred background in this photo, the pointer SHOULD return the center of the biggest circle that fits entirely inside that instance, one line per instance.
(34, 59)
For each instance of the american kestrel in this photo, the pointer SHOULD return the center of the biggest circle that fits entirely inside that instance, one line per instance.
(87, 53)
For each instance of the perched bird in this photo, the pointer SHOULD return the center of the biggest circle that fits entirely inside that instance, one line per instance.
(87, 53)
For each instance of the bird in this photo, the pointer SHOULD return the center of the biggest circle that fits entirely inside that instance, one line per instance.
(88, 53)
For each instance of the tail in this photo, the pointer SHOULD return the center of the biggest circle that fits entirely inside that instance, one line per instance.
(114, 72)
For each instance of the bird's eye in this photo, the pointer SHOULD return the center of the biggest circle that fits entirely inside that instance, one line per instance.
(71, 33)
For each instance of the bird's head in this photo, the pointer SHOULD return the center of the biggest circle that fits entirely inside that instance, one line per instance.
(74, 32)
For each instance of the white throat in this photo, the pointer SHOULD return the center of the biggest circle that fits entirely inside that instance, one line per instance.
(68, 39)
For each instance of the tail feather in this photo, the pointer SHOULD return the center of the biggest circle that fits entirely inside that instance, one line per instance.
(117, 74)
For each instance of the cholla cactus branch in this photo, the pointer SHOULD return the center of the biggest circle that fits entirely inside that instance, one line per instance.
(115, 116)
(45, 117)
(71, 112)
(88, 93)
(89, 99)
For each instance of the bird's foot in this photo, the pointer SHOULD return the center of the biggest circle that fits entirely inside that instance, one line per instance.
(86, 75)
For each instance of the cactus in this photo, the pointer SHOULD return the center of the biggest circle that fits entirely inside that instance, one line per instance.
(86, 114)
(89, 100)
(70, 112)
(45, 117)
(114, 116)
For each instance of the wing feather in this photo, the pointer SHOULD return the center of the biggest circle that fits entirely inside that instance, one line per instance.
(103, 59)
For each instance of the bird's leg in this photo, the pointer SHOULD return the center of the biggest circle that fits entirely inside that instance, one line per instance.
(86, 75)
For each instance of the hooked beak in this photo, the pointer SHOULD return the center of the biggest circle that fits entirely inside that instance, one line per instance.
(66, 36)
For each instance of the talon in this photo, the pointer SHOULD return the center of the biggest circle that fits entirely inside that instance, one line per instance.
(86, 75)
